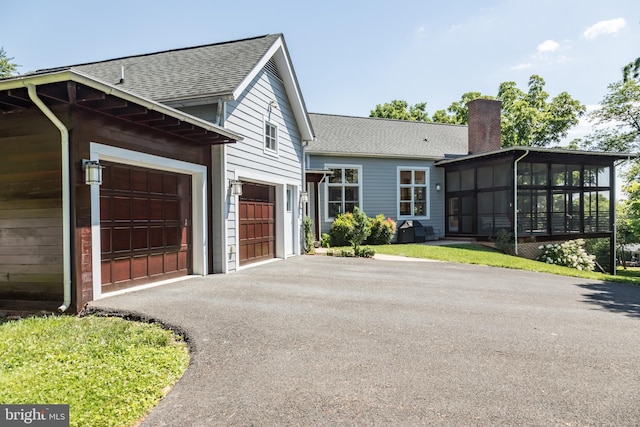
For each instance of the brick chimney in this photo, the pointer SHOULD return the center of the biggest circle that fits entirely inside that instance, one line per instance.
(484, 125)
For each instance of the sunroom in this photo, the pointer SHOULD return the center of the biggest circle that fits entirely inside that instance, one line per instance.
(536, 194)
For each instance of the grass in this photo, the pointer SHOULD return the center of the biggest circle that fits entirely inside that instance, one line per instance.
(482, 255)
(110, 371)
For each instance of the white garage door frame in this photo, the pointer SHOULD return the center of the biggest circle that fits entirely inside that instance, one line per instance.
(198, 175)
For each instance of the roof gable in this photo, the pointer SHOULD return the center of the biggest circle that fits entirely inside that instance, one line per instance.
(203, 74)
(373, 137)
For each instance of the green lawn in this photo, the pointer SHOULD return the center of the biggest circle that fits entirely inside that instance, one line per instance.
(482, 255)
(110, 371)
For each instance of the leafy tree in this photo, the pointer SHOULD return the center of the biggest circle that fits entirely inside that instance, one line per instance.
(457, 113)
(400, 110)
(632, 204)
(7, 68)
(631, 70)
(528, 119)
(617, 122)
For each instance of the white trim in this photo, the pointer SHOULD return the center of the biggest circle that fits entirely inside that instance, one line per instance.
(269, 151)
(278, 52)
(427, 185)
(281, 186)
(327, 218)
(198, 203)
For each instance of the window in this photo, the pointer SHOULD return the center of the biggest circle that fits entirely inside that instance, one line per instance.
(270, 137)
(413, 192)
(343, 190)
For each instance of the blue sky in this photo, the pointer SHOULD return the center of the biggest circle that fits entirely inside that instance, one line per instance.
(350, 56)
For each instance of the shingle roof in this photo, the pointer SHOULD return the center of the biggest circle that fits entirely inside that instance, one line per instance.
(195, 72)
(365, 136)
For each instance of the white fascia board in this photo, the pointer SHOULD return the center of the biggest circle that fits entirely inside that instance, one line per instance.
(278, 52)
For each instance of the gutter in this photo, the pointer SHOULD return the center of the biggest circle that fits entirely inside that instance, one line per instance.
(66, 196)
(515, 200)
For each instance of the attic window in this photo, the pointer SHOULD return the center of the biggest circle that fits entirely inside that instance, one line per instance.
(272, 68)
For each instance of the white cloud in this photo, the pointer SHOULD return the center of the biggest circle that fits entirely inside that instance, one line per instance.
(521, 67)
(421, 29)
(610, 26)
(548, 46)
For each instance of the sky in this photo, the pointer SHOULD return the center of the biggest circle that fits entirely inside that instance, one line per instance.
(351, 55)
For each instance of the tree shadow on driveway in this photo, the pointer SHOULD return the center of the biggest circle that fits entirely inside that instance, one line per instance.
(615, 297)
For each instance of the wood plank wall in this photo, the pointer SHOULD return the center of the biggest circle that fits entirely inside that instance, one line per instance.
(30, 213)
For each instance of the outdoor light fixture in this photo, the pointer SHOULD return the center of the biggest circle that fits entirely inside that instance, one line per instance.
(92, 172)
(438, 186)
(304, 197)
(236, 187)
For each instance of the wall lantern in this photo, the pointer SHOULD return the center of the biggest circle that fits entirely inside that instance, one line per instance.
(438, 186)
(304, 197)
(236, 187)
(92, 172)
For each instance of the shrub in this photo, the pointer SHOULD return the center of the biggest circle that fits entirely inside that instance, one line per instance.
(365, 252)
(325, 240)
(309, 237)
(341, 229)
(361, 229)
(568, 254)
(350, 229)
(504, 242)
(382, 230)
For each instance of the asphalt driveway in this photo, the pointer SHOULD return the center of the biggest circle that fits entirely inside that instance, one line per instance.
(336, 341)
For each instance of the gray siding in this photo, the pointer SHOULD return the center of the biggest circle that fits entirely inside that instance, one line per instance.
(380, 187)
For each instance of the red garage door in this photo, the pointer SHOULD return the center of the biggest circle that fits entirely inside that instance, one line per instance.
(257, 223)
(145, 226)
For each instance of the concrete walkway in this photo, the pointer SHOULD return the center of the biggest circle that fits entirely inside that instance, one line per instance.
(336, 341)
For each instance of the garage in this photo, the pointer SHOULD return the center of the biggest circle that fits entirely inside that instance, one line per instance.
(257, 240)
(145, 226)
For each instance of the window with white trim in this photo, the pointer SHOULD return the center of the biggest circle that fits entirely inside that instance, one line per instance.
(343, 190)
(270, 137)
(413, 192)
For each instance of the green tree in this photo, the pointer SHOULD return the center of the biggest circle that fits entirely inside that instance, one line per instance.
(529, 119)
(400, 110)
(361, 230)
(457, 113)
(617, 121)
(631, 70)
(7, 68)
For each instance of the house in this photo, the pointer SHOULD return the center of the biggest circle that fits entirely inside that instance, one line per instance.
(458, 179)
(382, 166)
(201, 156)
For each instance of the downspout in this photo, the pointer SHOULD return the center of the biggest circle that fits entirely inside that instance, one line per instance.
(66, 196)
(515, 200)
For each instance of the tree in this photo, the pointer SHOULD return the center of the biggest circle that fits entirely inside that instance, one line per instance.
(617, 122)
(459, 113)
(631, 70)
(7, 68)
(400, 110)
(529, 120)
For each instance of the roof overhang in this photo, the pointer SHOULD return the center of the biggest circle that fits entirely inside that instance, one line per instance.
(373, 155)
(317, 175)
(557, 152)
(278, 51)
(55, 89)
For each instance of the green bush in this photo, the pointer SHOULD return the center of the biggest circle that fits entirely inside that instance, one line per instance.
(568, 254)
(325, 240)
(504, 242)
(341, 230)
(309, 237)
(382, 230)
(601, 250)
(350, 229)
